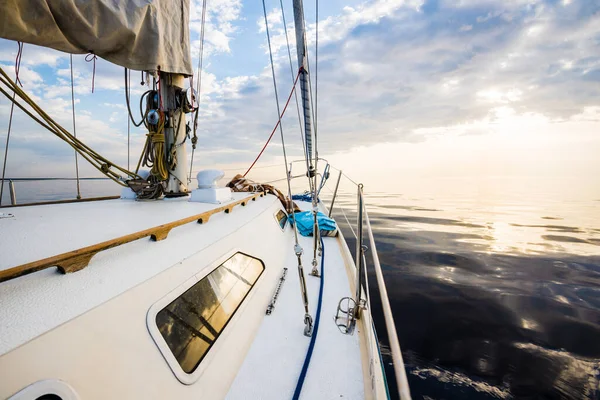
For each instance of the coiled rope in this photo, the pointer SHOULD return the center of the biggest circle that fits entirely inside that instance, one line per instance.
(154, 151)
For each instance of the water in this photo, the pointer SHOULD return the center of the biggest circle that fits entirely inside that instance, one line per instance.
(495, 295)
(494, 283)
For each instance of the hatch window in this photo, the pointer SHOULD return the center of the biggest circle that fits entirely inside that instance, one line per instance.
(192, 322)
(281, 218)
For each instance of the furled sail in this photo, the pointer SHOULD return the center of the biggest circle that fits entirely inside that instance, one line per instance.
(136, 34)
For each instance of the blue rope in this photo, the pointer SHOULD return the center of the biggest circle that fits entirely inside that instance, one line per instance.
(303, 197)
(313, 338)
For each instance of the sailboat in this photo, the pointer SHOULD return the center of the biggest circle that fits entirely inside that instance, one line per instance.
(179, 289)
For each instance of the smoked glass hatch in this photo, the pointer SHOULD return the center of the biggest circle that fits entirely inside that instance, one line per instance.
(192, 322)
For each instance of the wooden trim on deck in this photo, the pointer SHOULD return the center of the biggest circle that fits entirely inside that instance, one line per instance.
(76, 260)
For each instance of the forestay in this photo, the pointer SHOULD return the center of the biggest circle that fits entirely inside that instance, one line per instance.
(137, 34)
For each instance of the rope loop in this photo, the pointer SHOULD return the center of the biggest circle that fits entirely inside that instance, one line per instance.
(91, 57)
(18, 63)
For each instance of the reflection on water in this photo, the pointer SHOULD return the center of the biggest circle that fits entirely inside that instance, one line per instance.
(491, 300)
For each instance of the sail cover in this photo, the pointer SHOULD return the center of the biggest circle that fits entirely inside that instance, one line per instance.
(137, 34)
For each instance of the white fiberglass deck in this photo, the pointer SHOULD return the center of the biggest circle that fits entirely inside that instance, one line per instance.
(90, 328)
(274, 362)
(47, 299)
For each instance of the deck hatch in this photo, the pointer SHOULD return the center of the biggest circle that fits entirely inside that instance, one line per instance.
(192, 322)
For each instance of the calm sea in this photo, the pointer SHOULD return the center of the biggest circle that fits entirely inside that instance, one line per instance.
(494, 283)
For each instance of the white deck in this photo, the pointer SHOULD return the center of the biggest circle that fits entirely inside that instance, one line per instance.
(273, 365)
(89, 328)
(37, 232)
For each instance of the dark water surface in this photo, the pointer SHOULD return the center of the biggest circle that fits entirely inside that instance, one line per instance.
(495, 293)
(491, 298)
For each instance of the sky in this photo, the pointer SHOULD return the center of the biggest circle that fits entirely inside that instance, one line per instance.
(455, 88)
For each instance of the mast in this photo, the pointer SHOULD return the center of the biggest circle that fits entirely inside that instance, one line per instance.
(175, 134)
(304, 83)
(311, 167)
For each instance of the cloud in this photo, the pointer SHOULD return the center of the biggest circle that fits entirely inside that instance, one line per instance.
(389, 71)
(396, 71)
(220, 27)
(32, 55)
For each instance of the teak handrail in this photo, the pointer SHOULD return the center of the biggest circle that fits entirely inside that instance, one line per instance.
(73, 261)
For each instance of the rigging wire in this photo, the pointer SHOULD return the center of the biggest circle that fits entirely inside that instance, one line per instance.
(12, 108)
(344, 214)
(297, 248)
(287, 41)
(316, 75)
(344, 175)
(287, 173)
(127, 87)
(276, 125)
(199, 87)
(74, 130)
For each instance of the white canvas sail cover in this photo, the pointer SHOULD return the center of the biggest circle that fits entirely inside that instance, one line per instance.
(136, 34)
